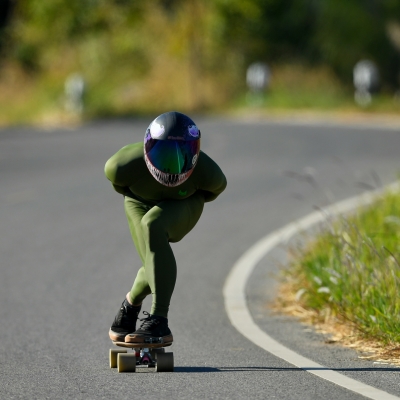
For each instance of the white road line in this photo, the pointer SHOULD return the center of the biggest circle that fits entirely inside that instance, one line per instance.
(239, 315)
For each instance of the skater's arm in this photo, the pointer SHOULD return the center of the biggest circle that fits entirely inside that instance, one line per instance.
(113, 173)
(121, 189)
(213, 181)
(121, 168)
(213, 192)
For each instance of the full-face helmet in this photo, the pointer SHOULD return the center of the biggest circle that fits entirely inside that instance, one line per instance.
(171, 148)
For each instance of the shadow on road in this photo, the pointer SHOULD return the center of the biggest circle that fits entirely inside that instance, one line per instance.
(195, 369)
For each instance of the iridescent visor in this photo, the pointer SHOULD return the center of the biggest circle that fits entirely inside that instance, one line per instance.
(172, 156)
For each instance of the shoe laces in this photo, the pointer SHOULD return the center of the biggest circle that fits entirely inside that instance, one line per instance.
(149, 322)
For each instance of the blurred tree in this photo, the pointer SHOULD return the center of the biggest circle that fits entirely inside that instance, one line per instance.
(269, 29)
(5, 12)
(349, 31)
(42, 27)
(337, 33)
(180, 46)
(6, 7)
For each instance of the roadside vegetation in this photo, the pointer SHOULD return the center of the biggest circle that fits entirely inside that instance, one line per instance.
(346, 280)
(142, 57)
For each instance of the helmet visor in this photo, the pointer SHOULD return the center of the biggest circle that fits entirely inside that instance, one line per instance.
(172, 156)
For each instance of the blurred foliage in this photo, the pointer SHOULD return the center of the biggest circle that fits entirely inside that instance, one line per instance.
(336, 33)
(350, 30)
(138, 56)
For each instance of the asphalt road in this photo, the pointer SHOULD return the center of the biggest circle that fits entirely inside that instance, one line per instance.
(67, 260)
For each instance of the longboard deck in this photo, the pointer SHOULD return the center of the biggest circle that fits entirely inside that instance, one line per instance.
(142, 345)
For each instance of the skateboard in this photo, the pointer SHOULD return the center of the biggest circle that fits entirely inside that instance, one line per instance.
(152, 356)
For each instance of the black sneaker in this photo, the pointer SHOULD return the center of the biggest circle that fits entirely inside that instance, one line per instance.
(124, 322)
(154, 330)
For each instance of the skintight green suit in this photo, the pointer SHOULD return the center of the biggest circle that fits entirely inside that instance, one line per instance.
(158, 215)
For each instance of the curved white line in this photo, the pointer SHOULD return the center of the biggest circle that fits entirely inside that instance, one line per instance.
(239, 315)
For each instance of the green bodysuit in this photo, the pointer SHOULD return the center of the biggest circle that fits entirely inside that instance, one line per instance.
(158, 215)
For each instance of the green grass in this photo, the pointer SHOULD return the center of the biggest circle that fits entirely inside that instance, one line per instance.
(352, 271)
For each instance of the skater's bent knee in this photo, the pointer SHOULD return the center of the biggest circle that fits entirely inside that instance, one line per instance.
(151, 224)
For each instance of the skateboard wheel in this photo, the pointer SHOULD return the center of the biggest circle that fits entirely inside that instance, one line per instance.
(165, 362)
(154, 352)
(126, 362)
(113, 357)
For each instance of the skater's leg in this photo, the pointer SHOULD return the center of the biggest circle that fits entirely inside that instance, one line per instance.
(125, 320)
(134, 212)
(140, 289)
(167, 222)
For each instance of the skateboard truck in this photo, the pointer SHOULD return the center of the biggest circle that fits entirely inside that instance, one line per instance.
(145, 358)
(154, 340)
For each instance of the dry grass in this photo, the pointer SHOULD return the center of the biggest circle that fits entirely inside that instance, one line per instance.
(340, 331)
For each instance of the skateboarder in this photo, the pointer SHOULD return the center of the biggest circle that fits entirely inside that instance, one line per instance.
(165, 183)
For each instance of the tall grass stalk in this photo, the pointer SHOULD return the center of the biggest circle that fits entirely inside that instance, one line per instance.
(351, 272)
